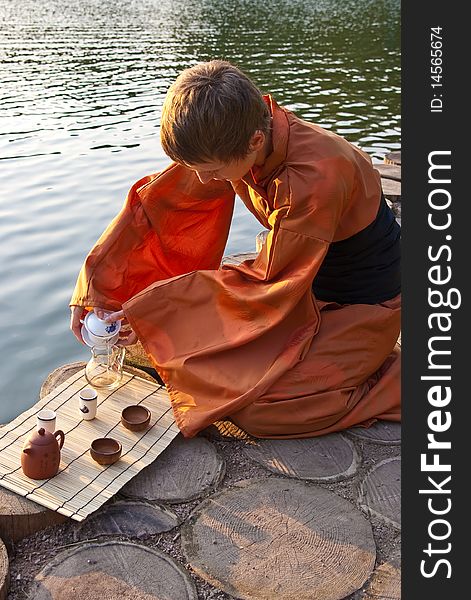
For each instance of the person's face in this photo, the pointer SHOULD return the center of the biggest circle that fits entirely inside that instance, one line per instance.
(230, 171)
(235, 169)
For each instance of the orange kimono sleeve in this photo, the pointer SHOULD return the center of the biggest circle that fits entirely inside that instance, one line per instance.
(220, 339)
(170, 224)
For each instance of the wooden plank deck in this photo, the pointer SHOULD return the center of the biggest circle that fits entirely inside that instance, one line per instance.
(390, 171)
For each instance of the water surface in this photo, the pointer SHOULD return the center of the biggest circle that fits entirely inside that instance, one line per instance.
(81, 90)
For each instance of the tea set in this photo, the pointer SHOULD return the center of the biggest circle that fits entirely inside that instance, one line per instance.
(98, 332)
(40, 456)
(105, 367)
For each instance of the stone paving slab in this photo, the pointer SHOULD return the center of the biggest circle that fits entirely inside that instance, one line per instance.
(273, 538)
(4, 571)
(20, 517)
(60, 375)
(391, 189)
(186, 469)
(112, 571)
(380, 491)
(393, 158)
(385, 583)
(134, 519)
(389, 171)
(387, 433)
(326, 458)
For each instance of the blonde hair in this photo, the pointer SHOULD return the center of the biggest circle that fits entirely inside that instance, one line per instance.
(210, 113)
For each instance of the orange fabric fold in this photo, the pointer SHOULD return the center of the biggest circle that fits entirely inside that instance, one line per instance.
(220, 339)
(251, 342)
(170, 224)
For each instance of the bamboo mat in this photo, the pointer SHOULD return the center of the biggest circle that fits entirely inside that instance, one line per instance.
(81, 486)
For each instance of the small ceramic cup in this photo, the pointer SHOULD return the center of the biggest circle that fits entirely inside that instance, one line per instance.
(88, 403)
(97, 332)
(47, 419)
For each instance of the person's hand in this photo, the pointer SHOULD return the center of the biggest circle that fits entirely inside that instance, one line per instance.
(76, 314)
(101, 313)
(127, 337)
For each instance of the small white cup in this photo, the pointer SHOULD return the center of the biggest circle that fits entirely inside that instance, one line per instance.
(46, 419)
(98, 331)
(88, 403)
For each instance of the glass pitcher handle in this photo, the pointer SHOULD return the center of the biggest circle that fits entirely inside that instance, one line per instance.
(260, 239)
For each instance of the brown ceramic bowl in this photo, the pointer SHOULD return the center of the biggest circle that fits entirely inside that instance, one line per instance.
(135, 417)
(105, 451)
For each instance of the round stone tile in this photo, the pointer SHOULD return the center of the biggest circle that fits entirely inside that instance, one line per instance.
(277, 538)
(134, 519)
(387, 433)
(110, 571)
(20, 517)
(4, 571)
(380, 491)
(186, 469)
(325, 458)
(58, 376)
(386, 580)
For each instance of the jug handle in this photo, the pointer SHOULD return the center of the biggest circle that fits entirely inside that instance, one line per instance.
(122, 355)
(61, 434)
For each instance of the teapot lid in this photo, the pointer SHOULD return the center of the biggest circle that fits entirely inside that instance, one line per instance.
(99, 327)
(41, 437)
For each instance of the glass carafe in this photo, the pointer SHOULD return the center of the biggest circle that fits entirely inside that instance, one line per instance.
(104, 370)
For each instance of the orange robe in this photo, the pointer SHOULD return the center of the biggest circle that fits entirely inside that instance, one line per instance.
(251, 342)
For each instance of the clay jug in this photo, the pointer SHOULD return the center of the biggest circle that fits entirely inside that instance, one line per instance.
(41, 454)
